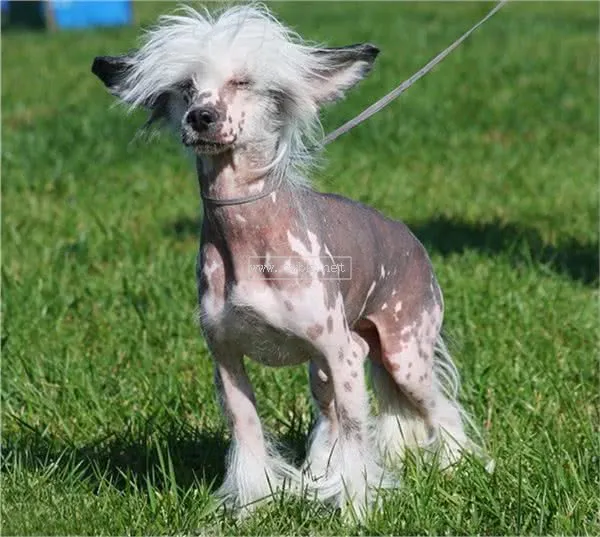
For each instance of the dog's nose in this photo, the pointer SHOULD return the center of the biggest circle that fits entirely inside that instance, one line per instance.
(202, 118)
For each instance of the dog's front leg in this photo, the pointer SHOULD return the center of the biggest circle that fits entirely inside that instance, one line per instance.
(355, 472)
(321, 456)
(253, 470)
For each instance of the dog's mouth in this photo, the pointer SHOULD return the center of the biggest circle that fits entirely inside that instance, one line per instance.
(204, 147)
(207, 147)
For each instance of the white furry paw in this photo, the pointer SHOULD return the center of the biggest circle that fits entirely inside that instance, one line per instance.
(361, 494)
(394, 434)
(320, 464)
(448, 451)
(355, 490)
(243, 497)
(251, 481)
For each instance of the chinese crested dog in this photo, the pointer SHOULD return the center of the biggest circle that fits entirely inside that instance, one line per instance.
(287, 275)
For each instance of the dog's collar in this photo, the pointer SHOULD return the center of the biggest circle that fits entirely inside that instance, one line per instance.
(238, 201)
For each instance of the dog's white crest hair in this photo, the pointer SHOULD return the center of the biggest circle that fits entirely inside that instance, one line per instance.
(243, 37)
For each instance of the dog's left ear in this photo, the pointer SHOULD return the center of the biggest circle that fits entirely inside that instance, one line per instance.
(112, 70)
(340, 69)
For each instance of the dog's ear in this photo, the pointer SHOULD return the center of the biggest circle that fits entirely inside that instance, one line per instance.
(340, 69)
(112, 70)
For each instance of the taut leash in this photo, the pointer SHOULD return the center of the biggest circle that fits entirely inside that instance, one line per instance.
(387, 99)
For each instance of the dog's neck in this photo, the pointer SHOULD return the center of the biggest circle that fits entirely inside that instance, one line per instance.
(232, 175)
(228, 176)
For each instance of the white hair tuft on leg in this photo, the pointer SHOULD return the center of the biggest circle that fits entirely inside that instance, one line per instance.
(254, 478)
(398, 426)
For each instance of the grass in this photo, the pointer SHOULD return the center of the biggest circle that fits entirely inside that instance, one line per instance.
(109, 424)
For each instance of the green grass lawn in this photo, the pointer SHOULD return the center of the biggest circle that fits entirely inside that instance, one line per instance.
(109, 420)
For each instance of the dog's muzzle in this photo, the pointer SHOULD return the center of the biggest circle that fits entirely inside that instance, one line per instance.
(201, 131)
(202, 119)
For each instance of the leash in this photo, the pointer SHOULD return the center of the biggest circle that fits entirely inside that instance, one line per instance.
(396, 92)
(373, 109)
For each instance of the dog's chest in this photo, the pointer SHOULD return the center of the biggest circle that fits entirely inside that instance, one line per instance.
(271, 324)
(257, 321)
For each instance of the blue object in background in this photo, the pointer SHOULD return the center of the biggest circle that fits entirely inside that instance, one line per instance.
(88, 14)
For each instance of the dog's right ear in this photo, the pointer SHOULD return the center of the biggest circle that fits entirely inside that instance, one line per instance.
(112, 70)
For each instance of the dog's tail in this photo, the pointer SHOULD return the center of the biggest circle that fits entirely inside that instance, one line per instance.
(448, 382)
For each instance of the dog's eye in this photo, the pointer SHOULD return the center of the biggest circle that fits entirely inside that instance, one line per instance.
(185, 86)
(241, 83)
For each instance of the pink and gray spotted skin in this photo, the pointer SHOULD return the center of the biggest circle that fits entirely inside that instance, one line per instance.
(244, 94)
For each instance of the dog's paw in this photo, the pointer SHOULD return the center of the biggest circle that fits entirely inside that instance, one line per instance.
(356, 491)
(242, 502)
(363, 495)
(357, 506)
(320, 466)
(251, 482)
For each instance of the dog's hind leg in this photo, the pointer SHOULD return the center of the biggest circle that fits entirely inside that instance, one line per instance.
(322, 453)
(253, 470)
(398, 425)
(422, 408)
(430, 381)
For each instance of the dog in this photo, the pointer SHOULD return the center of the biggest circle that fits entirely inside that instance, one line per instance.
(287, 275)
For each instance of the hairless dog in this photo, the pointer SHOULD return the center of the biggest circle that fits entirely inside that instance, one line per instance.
(286, 274)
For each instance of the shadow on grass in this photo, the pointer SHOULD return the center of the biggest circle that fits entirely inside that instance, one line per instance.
(571, 258)
(155, 455)
(127, 457)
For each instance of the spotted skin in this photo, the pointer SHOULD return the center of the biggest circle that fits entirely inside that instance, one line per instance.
(335, 324)
(265, 290)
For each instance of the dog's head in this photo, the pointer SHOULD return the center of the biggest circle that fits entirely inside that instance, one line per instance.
(240, 79)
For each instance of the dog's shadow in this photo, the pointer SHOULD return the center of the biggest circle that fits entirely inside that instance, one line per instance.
(130, 457)
(160, 455)
(523, 245)
(571, 258)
